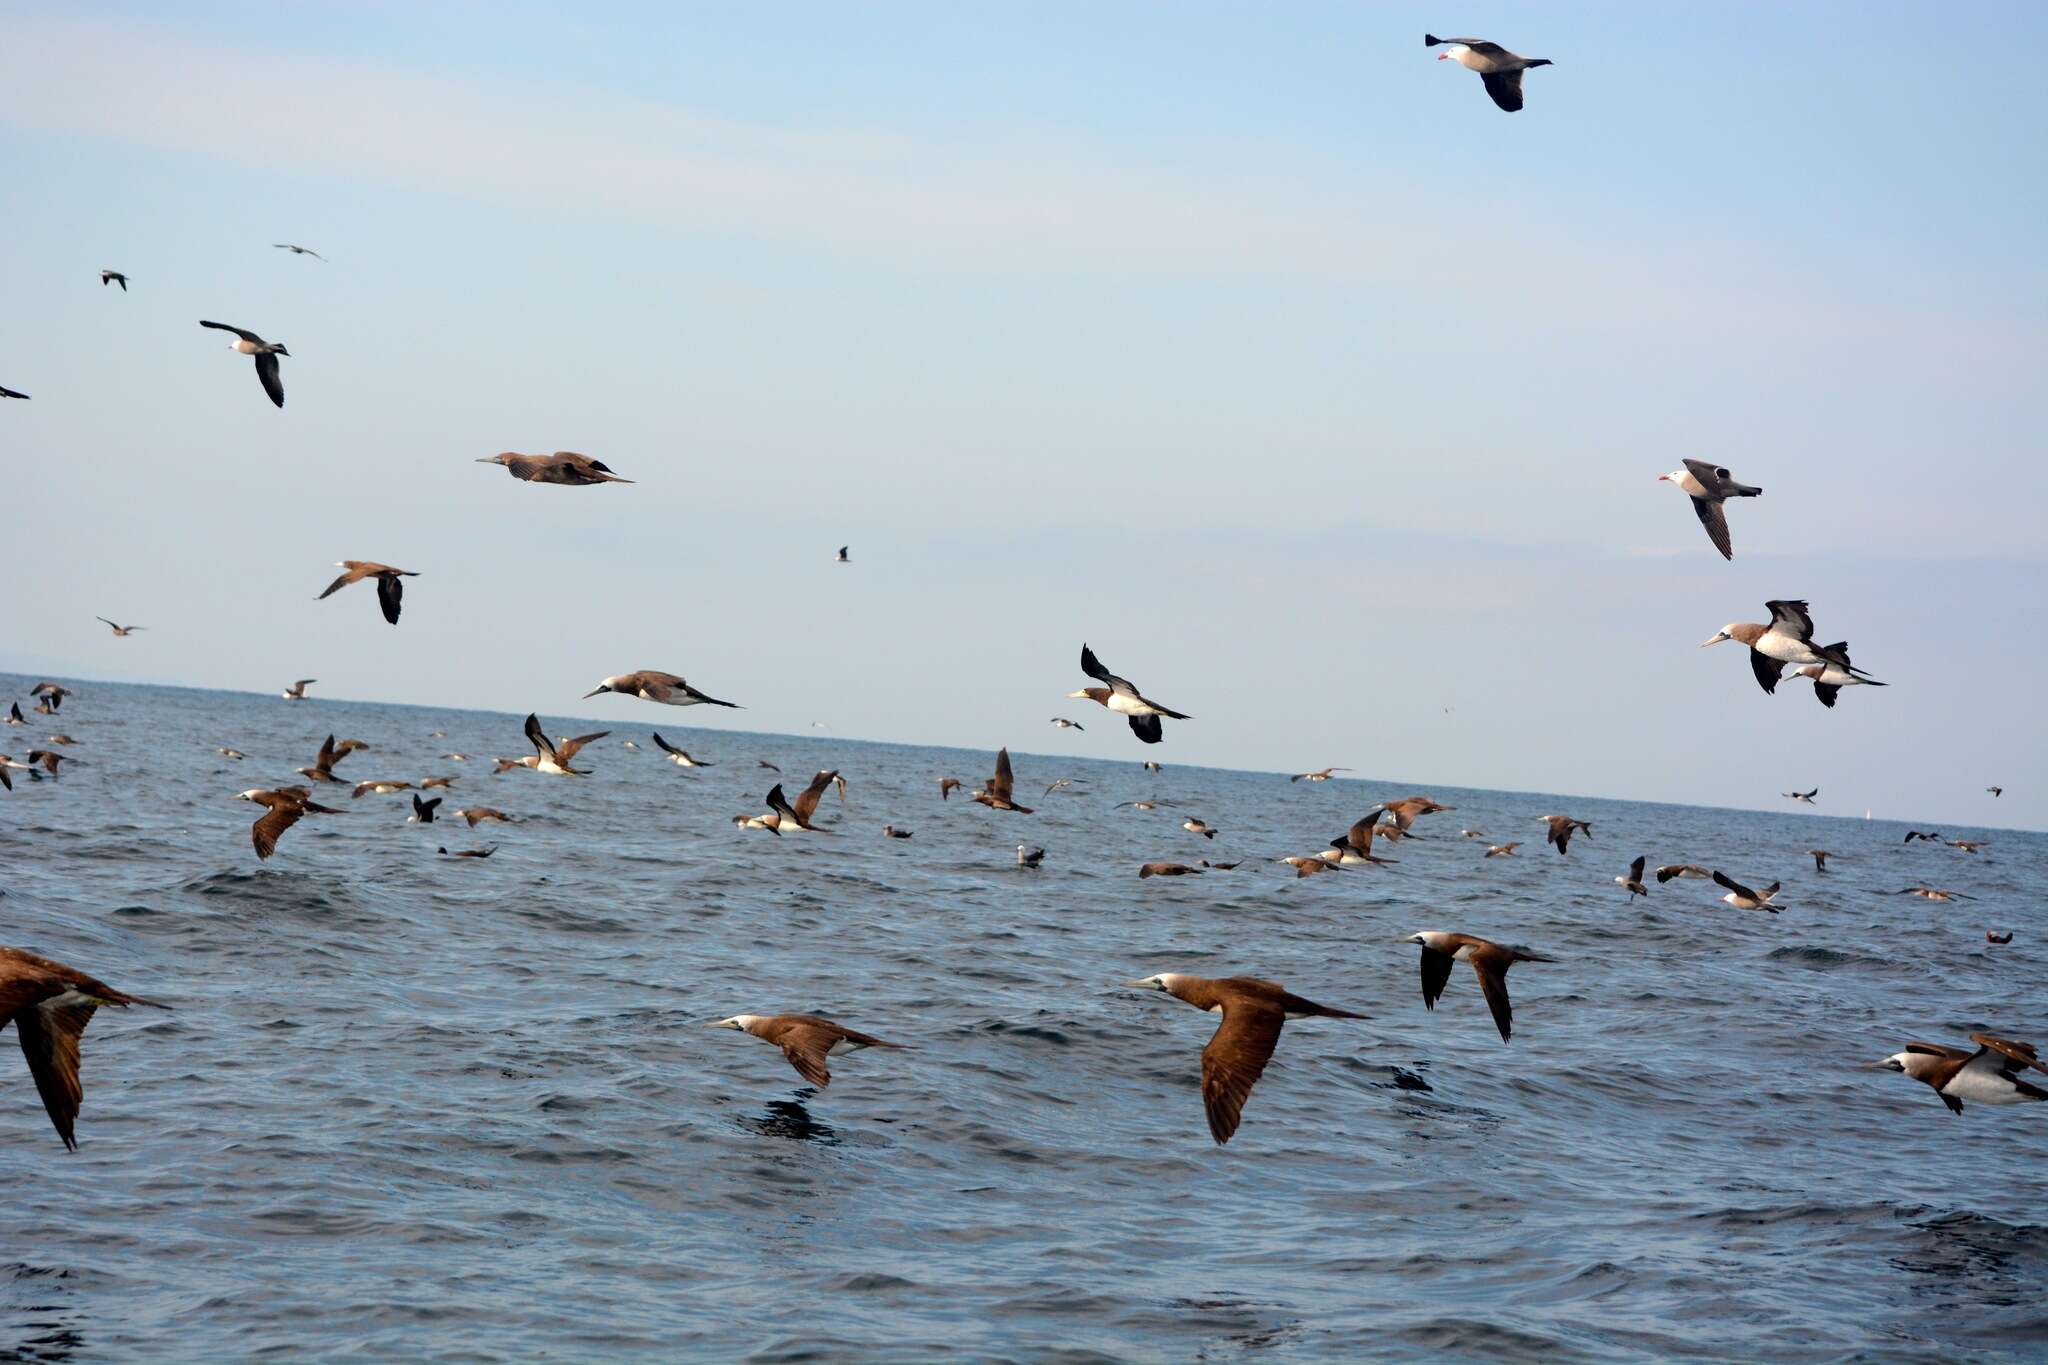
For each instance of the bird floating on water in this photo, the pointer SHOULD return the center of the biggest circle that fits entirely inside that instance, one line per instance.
(1122, 697)
(390, 591)
(1990, 937)
(564, 467)
(476, 815)
(266, 353)
(1709, 486)
(1489, 961)
(1029, 855)
(649, 684)
(49, 1005)
(891, 832)
(805, 1039)
(1167, 870)
(1994, 1074)
(469, 852)
(1500, 69)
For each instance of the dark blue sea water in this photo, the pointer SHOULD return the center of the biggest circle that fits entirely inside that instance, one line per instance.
(413, 1108)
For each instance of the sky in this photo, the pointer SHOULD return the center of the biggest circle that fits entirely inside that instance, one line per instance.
(1251, 345)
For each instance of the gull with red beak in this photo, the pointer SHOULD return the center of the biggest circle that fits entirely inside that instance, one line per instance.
(1499, 68)
(1709, 486)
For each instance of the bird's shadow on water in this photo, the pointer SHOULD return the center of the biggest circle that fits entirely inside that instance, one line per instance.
(792, 1120)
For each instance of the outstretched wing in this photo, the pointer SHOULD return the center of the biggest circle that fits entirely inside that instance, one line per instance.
(1436, 974)
(1147, 728)
(389, 592)
(230, 327)
(567, 749)
(1791, 617)
(49, 1040)
(1234, 1060)
(1504, 86)
(1724, 880)
(270, 825)
(664, 745)
(1715, 519)
(1767, 671)
(542, 745)
(807, 799)
(1004, 781)
(267, 375)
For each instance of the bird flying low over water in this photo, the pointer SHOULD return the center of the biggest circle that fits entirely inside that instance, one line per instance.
(266, 353)
(651, 684)
(550, 757)
(10, 393)
(1633, 882)
(422, 811)
(946, 786)
(1561, 827)
(297, 691)
(234, 754)
(797, 814)
(1254, 1011)
(476, 815)
(14, 716)
(1502, 850)
(1354, 845)
(805, 1040)
(1670, 870)
(1123, 698)
(1063, 723)
(1406, 810)
(1742, 898)
(468, 852)
(563, 467)
(1996, 1073)
(1820, 859)
(1969, 845)
(1196, 825)
(390, 591)
(1500, 69)
(119, 631)
(108, 277)
(1490, 963)
(1806, 797)
(329, 755)
(49, 1005)
(1787, 639)
(282, 809)
(1913, 834)
(677, 756)
(1319, 775)
(1932, 893)
(1168, 870)
(996, 792)
(1308, 867)
(1709, 486)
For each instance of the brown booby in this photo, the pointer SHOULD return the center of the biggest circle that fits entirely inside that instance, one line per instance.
(235, 755)
(805, 1039)
(49, 1005)
(330, 754)
(1670, 870)
(1969, 845)
(1709, 486)
(119, 631)
(550, 757)
(1499, 69)
(1742, 898)
(476, 815)
(297, 691)
(430, 783)
(563, 467)
(1406, 810)
(1633, 882)
(1996, 1073)
(53, 694)
(1309, 867)
(1805, 798)
(389, 590)
(1354, 845)
(996, 792)
(650, 684)
(108, 277)
(1254, 1011)
(1932, 893)
(1490, 963)
(282, 808)
(891, 832)
(1912, 834)
(946, 785)
(679, 757)
(381, 786)
(797, 814)
(1561, 827)
(1167, 870)
(1123, 698)
(1502, 850)
(1820, 859)
(1830, 678)
(266, 353)
(1787, 639)
(1991, 937)
(14, 716)
(1319, 775)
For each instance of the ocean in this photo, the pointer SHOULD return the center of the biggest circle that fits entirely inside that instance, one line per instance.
(412, 1107)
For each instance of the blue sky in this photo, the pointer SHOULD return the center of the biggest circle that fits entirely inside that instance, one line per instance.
(1254, 346)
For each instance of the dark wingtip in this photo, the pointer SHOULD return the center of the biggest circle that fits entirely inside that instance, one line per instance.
(1430, 40)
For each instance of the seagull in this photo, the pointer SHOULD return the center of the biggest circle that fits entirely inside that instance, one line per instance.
(1708, 486)
(1502, 850)
(1499, 68)
(1830, 678)
(995, 793)
(1742, 898)
(119, 631)
(1788, 639)
(266, 353)
(297, 691)
(389, 589)
(422, 811)
(563, 467)
(298, 250)
(108, 277)
(1254, 1011)
(1490, 963)
(805, 1040)
(1820, 859)
(1029, 855)
(1561, 827)
(1806, 797)
(1969, 845)
(677, 756)
(549, 757)
(1634, 880)
(1196, 825)
(653, 685)
(283, 808)
(841, 558)
(10, 393)
(49, 1005)
(1063, 723)
(1123, 698)
(1994, 1074)
(1319, 775)
(1930, 893)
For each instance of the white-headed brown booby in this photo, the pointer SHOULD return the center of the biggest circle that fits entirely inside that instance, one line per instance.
(564, 467)
(1490, 963)
(1996, 1073)
(653, 685)
(1122, 697)
(805, 1039)
(390, 592)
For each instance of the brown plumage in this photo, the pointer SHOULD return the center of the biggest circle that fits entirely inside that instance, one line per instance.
(805, 1039)
(798, 813)
(995, 793)
(1994, 1074)
(946, 786)
(563, 467)
(651, 684)
(468, 852)
(476, 815)
(283, 808)
(1122, 697)
(382, 786)
(1502, 850)
(1820, 859)
(1253, 1013)
(1309, 867)
(49, 1005)
(550, 757)
(1407, 809)
(1932, 893)
(329, 755)
(1167, 870)
(1561, 827)
(1633, 882)
(389, 590)
(1490, 963)
(47, 757)
(428, 784)
(1969, 845)
(1355, 844)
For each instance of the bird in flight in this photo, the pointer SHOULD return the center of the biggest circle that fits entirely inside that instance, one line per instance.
(119, 631)
(1122, 697)
(266, 353)
(390, 591)
(298, 250)
(1500, 69)
(562, 467)
(1709, 486)
(108, 277)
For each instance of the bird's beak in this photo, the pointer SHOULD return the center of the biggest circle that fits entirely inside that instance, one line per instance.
(1443, 56)
(1886, 1065)
(1072, 695)
(594, 691)
(486, 459)
(1142, 985)
(1663, 478)
(1719, 636)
